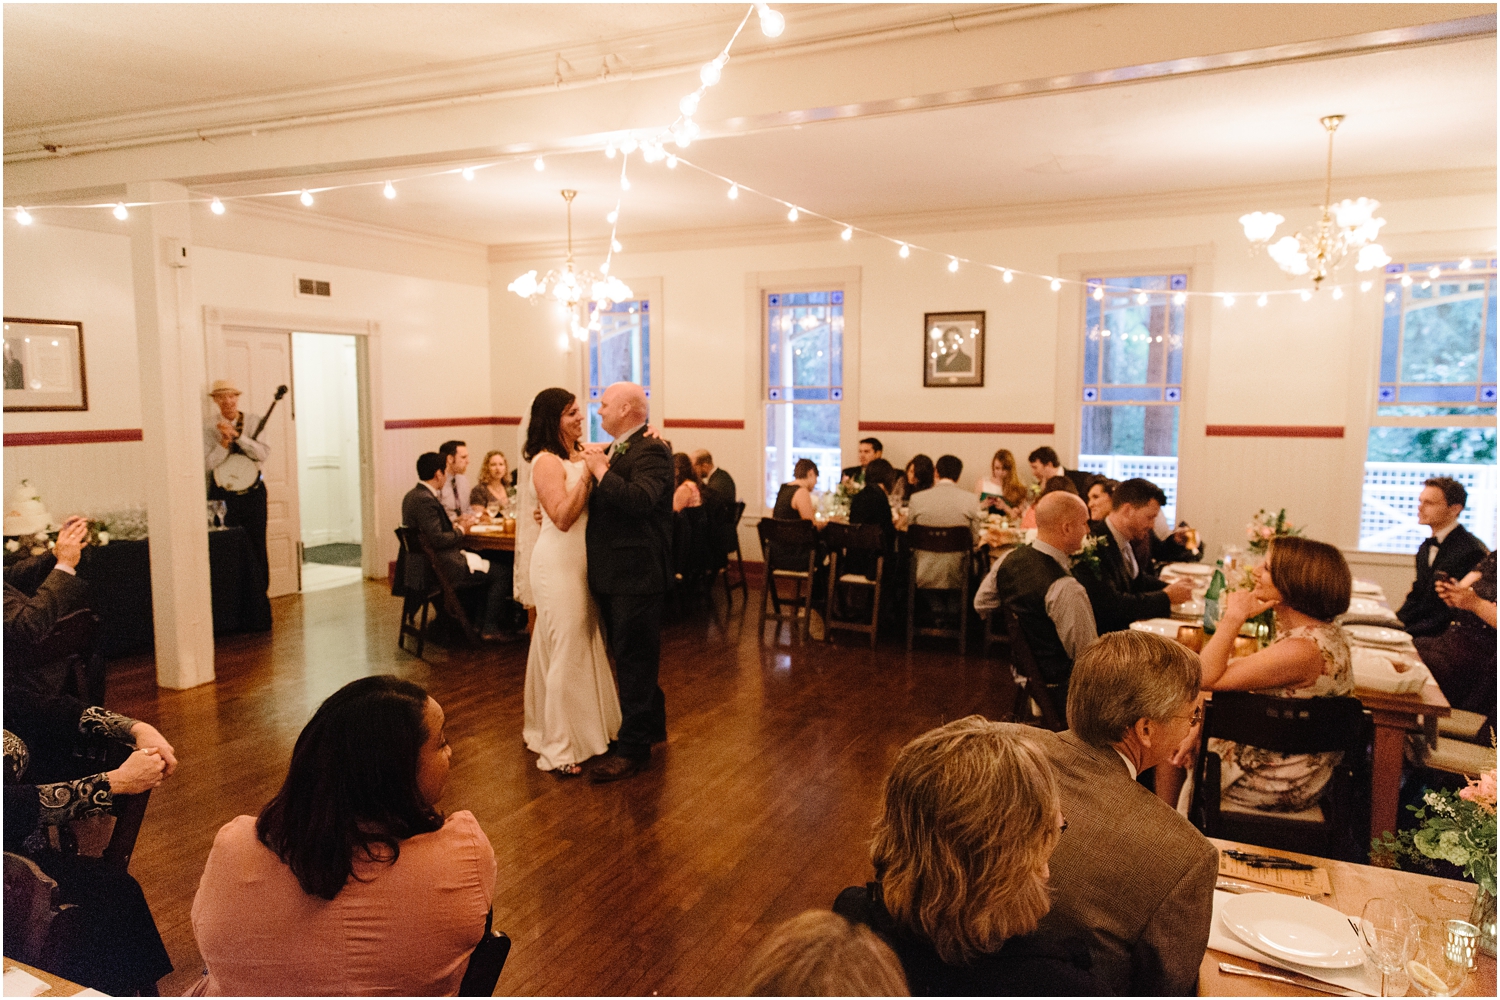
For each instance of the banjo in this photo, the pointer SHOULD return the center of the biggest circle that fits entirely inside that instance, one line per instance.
(239, 473)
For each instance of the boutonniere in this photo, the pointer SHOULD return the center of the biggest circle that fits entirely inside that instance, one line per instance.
(1088, 555)
(622, 449)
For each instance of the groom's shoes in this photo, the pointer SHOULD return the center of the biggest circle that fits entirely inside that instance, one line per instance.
(616, 768)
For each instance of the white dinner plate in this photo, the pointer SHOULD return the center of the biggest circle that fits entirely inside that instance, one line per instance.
(1379, 636)
(1188, 569)
(1164, 627)
(1367, 606)
(1294, 930)
(1367, 587)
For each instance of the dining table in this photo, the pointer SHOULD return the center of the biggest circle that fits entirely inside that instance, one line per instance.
(22, 980)
(490, 538)
(1352, 885)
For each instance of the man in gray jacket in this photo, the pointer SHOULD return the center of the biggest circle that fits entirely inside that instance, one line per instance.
(1131, 876)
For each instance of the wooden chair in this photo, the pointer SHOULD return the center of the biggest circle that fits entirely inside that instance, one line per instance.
(995, 633)
(731, 528)
(1333, 827)
(842, 540)
(486, 962)
(130, 813)
(921, 538)
(413, 604)
(1031, 686)
(691, 554)
(37, 926)
(73, 641)
(784, 543)
(440, 586)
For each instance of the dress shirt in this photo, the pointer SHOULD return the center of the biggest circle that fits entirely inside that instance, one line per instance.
(214, 453)
(1128, 765)
(1127, 550)
(455, 495)
(1438, 538)
(1066, 601)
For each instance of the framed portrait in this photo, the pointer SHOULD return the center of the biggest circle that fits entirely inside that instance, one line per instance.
(953, 349)
(44, 365)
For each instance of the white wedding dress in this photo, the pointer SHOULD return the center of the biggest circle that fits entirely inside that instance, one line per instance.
(572, 709)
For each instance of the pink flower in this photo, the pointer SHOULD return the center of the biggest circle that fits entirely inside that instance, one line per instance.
(1481, 791)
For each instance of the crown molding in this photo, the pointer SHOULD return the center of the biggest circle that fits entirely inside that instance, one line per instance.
(1390, 187)
(334, 224)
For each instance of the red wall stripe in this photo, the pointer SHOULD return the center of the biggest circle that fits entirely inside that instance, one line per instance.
(404, 425)
(1272, 431)
(951, 428)
(720, 425)
(36, 438)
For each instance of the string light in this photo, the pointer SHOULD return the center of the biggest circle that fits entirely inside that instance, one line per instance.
(1306, 295)
(905, 251)
(390, 190)
(793, 215)
(23, 216)
(307, 198)
(689, 103)
(540, 164)
(1179, 299)
(216, 206)
(1338, 291)
(615, 246)
(1056, 284)
(772, 23)
(1406, 281)
(1008, 277)
(847, 234)
(1365, 286)
(629, 145)
(1262, 300)
(469, 172)
(1390, 296)
(121, 212)
(613, 216)
(1140, 299)
(734, 192)
(953, 265)
(1435, 271)
(1465, 264)
(712, 71)
(1228, 301)
(609, 150)
(671, 161)
(1098, 293)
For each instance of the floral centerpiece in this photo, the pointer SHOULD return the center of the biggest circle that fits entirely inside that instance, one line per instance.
(1265, 527)
(1459, 828)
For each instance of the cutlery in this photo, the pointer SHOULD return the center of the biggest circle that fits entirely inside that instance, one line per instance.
(1226, 885)
(1230, 969)
(1269, 861)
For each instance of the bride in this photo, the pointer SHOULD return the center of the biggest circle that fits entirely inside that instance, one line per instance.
(572, 710)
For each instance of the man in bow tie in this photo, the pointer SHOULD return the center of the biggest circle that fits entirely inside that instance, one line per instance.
(1451, 551)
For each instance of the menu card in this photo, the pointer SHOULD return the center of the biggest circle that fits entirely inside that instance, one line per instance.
(1301, 882)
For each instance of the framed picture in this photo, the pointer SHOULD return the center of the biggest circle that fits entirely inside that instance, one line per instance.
(44, 365)
(953, 349)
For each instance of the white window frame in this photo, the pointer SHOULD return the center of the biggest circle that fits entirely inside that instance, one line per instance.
(646, 290)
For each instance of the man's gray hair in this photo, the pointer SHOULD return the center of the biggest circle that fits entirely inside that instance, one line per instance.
(1128, 676)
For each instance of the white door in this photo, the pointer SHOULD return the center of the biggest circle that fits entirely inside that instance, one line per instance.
(258, 363)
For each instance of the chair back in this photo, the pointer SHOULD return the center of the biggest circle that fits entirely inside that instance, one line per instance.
(786, 538)
(854, 537)
(924, 538)
(1036, 686)
(30, 908)
(71, 635)
(405, 552)
(130, 812)
(486, 962)
(1285, 725)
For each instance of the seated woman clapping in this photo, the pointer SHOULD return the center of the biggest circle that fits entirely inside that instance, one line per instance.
(350, 882)
(972, 813)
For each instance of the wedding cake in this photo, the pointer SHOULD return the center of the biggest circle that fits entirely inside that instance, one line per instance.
(24, 512)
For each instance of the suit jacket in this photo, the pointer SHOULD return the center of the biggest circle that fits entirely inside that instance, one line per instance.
(424, 512)
(944, 505)
(629, 534)
(723, 484)
(1424, 613)
(1131, 876)
(1119, 600)
(37, 594)
(1081, 480)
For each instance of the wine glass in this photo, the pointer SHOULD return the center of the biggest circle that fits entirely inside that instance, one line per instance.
(1440, 962)
(1387, 930)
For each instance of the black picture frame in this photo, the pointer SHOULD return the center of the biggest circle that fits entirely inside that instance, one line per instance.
(953, 349)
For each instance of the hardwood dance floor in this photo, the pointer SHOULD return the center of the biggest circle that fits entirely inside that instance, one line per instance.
(758, 807)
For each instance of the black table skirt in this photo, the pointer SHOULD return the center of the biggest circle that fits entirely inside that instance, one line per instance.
(119, 576)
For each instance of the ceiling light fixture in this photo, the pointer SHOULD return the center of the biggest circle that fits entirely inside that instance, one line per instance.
(574, 290)
(1343, 228)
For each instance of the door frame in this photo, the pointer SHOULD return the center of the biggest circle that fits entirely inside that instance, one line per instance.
(366, 333)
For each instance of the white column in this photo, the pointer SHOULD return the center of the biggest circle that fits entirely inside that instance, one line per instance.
(173, 383)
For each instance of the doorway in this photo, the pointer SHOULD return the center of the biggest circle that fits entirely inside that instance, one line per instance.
(325, 393)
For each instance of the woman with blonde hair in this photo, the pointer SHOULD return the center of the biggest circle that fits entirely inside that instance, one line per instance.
(971, 815)
(494, 482)
(821, 954)
(1002, 491)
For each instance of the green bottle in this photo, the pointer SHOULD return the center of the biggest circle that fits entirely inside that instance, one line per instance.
(1212, 611)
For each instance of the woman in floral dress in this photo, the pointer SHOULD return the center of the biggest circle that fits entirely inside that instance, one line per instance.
(1308, 584)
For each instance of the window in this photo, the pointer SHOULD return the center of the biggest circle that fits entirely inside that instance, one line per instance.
(1435, 405)
(619, 351)
(1132, 380)
(804, 385)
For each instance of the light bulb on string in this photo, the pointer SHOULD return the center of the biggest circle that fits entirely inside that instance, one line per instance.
(953, 265)
(1435, 271)
(793, 214)
(1142, 298)
(1098, 293)
(604, 267)
(609, 150)
(1229, 301)
(1008, 277)
(216, 206)
(1056, 284)
(847, 234)
(306, 198)
(1338, 291)
(540, 164)
(1390, 296)
(712, 71)
(1365, 286)
(615, 246)
(1465, 264)
(629, 145)
(734, 192)
(624, 182)
(23, 216)
(613, 216)
(468, 173)
(1406, 281)
(1262, 300)
(121, 212)
(390, 190)
(671, 161)
(772, 22)
(1426, 284)
(1179, 299)
(689, 103)
(1306, 295)
(905, 251)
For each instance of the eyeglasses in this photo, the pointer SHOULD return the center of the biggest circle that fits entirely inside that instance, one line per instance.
(1064, 827)
(1194, 718)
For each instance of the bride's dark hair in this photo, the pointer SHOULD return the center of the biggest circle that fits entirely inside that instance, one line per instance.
(542, 432)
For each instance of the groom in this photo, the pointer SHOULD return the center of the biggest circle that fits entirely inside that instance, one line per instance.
(629, 550)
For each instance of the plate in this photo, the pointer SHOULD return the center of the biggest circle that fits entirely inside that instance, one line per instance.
(1367, 606)
(1378, 635)
(1294, 930)
(1367, 587)
(1164, 627)
(488, 529)
(1188, 569)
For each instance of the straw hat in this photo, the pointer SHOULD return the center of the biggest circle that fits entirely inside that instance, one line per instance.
(223, 385)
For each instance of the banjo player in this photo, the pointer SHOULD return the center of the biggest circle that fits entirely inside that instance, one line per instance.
(233, 459)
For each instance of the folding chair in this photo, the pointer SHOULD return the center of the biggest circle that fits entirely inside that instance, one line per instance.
(783, 544)
(1031, 686)
(843, 540)
(921, 538)
(413, 602)
(486, 962)
(731, 530)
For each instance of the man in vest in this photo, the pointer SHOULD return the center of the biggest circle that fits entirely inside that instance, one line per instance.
(1036, 582)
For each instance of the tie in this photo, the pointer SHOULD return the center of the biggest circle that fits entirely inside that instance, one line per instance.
(1432, 551)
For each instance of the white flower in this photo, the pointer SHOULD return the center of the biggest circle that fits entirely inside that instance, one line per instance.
(103, 538)
(13, 546)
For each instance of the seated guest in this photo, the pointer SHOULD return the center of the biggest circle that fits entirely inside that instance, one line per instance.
(1002, 492)
(821, 954)
(720, 497)
(1045, 464)
(920, 474)
(716, 479)
(795, 499)
(1057, 484)
(1451, 551)
(1120, 590)
(422, 510)
(945, 505)
(1132, 877)
(119, 951)
(457, 488)
(971, 815)
(494, 483)
(689, 491)
(869, 450)
(1036, 582)
(38, 592)
(1308, 583)
(1100, 492)
(872, 505)
(351, 882)
(1462, 658)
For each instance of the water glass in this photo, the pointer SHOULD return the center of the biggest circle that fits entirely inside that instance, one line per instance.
(1440, 956)
(1388, 932)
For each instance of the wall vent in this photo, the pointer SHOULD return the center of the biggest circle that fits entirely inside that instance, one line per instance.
(309, 286)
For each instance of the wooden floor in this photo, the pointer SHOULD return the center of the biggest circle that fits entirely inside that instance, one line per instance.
(757, 808)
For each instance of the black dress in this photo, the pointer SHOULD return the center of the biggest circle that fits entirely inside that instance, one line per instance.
(119, 950)
(1462, 658)
(1033, 965)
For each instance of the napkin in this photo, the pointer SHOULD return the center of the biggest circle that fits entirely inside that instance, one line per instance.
(1362, 978)
(20, 983)
(475, 563)
(1164, 627)
(1388, 670)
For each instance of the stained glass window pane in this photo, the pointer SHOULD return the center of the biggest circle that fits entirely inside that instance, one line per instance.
(619, 351)
(804, 385)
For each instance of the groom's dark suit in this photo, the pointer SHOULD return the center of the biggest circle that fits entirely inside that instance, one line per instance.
(629, 541)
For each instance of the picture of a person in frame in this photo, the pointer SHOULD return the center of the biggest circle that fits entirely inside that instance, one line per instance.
(951, 357)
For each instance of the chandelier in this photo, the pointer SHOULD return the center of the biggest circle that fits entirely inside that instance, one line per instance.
(1342, 229)
(575, 290)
